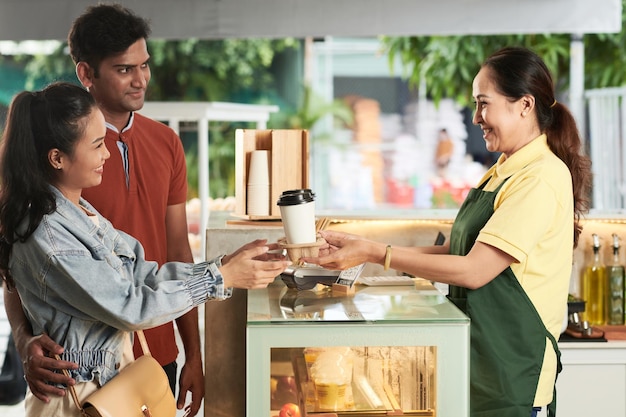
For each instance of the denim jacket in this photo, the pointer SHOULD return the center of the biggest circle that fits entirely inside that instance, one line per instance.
(88, 285)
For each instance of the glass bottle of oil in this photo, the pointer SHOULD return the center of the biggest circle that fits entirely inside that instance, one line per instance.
(594, 285)
(615, 293)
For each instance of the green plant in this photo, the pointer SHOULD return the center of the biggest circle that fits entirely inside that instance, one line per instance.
(221, 162)
(213, 70)
(216, 70)
(446, 65)
(311, 110)
(191, 159)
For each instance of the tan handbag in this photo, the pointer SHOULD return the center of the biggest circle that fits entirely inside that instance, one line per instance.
(141, 389)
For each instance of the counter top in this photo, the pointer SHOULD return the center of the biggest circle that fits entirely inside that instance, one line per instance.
(611, 352)
(221, 219)
(610, 344)
(390, 304)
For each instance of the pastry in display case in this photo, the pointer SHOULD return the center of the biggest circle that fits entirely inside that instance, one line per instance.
(351, 381)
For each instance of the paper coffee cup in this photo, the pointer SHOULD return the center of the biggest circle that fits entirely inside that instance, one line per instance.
(258, 200)
(258, 170)
(297, 211)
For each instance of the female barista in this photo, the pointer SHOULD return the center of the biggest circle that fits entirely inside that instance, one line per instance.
(509, 258)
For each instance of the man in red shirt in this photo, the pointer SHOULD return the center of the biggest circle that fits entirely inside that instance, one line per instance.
(144, 187)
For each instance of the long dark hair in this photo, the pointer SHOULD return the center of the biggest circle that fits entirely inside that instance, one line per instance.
(519, 71)
(36, 123)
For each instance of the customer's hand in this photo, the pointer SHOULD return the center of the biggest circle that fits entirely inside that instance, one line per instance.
(190, 386)
(251, 266)
(39, 367)
(342, 251)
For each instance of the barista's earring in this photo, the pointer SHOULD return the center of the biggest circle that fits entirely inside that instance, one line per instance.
(59, 167)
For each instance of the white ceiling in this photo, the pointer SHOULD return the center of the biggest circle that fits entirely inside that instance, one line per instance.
(211, 19)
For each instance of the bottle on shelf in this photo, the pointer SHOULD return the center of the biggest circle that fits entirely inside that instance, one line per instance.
(615, 290)
(594, 283)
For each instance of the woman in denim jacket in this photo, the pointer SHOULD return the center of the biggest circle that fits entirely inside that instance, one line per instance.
(81, 281)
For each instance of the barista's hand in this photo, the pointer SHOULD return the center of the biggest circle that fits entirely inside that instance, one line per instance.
(251, 266)
(343, 250)
(39, 367)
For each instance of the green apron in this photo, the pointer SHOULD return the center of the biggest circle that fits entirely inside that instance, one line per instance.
(507, 336)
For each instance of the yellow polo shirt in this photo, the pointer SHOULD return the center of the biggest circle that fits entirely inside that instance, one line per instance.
(533, 223)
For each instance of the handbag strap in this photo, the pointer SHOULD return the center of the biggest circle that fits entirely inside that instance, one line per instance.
(144, 348)
(72, 389)
(144, 344)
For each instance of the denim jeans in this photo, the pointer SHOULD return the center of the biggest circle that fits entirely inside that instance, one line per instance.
(535, 411)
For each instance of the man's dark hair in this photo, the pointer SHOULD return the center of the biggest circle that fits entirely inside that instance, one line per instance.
(104, 30)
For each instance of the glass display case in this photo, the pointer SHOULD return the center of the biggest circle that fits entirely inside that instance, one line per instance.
(389, 350)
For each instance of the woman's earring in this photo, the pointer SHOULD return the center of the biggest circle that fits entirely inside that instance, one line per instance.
(59, 167)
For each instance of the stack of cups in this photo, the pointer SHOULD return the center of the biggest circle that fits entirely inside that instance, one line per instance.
(297, 211)
(258, 195)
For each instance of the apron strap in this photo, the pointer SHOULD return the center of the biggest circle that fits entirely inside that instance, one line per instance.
(559, 368)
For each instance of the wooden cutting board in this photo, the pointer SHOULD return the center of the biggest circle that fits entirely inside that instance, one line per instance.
(614, 332)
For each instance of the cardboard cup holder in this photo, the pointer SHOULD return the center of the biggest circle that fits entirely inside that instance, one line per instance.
(295, 251)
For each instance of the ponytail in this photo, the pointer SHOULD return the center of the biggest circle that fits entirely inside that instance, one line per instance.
(36, 123)
(564, 140)
(23, 188)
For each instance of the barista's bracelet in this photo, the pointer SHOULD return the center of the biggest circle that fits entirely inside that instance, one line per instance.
(387, 257)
